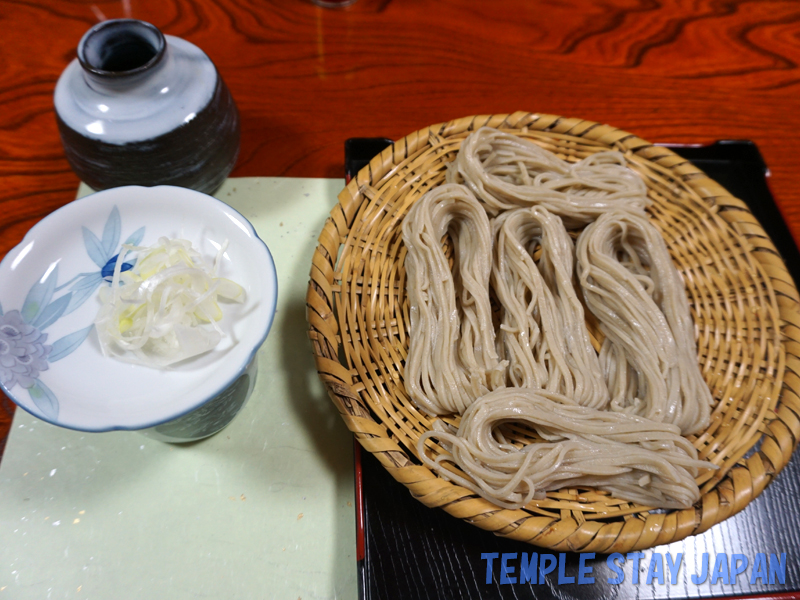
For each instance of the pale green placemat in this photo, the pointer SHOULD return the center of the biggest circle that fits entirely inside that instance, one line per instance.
(263, 509)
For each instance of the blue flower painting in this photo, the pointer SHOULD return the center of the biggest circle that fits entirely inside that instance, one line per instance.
(24, 352)
(103, 252)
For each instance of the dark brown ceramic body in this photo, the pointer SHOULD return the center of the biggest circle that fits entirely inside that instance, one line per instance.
(198, 155)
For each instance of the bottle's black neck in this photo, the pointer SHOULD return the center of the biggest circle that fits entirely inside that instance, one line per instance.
(120, 49)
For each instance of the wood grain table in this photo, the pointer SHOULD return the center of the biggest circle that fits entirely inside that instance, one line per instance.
(306, 78)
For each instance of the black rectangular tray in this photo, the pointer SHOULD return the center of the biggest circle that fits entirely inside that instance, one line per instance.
(409, 551)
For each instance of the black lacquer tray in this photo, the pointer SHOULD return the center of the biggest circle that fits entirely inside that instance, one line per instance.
(408, 551)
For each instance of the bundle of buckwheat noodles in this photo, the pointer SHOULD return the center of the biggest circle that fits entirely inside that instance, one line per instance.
(543, 333)
(646, 375)
(649, 354)
(506, 171)
(452, 358)
(634, 459)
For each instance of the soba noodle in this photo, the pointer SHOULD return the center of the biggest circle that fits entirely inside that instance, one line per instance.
(649, 354)
(506, 171)
(632, 458)
(452, 358)
(646, 374)
(543, 332)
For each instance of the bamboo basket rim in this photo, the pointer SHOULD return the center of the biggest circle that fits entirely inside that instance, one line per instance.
(340, 313)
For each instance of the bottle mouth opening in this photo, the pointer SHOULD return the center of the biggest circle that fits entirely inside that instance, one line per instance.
(120, 48)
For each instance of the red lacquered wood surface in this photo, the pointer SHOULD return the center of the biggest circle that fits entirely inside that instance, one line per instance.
(306, 78)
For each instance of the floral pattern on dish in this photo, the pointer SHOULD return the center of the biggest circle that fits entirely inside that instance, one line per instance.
(24, 353)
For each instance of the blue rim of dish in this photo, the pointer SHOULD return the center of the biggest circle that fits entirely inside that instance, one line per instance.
(239, 373)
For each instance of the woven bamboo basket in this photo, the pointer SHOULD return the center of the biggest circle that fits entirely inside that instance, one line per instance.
(744, 304)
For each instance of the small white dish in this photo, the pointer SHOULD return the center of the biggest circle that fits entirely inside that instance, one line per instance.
(51, 363)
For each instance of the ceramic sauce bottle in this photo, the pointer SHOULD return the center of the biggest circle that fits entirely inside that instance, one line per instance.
(141, 108)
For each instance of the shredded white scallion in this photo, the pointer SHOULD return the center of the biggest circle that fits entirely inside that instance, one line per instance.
(165, 309)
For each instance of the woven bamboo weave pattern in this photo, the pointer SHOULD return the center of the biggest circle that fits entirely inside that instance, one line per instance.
(744, 305)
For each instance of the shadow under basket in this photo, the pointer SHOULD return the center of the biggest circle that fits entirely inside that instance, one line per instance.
(744, 304)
